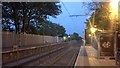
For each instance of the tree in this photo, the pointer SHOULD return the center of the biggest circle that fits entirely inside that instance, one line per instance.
(10, 12)
(75, 36)
(52, 29)
(101, 15)
(23, 12)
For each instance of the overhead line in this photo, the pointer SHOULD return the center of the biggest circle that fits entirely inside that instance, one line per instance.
(67, 11)
(65, 8)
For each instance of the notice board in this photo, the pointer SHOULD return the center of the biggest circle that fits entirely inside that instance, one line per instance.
(107, 45)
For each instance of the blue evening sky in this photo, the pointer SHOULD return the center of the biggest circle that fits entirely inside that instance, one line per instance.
(77, 25)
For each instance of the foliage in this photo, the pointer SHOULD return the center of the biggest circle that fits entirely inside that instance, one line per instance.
(75, 36)
(100, 16)
(52, 29)
(31, 17)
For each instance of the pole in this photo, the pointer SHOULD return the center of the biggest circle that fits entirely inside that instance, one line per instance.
(0, 46)
(115, 39)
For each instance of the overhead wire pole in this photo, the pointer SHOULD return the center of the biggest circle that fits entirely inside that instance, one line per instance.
(75, 15)
(92, 25)
(85, 30)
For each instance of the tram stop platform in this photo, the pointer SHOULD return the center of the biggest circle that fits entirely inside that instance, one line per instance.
(88, 57)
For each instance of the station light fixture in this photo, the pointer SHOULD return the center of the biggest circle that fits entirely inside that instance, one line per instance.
(68, 36)
(89, 35)
(114, 8)
(65, 38)
(93, 30)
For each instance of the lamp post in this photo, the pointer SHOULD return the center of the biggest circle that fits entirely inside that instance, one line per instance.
(114, 17)
(92, 30)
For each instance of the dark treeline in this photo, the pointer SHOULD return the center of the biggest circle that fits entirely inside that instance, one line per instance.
(31, 18)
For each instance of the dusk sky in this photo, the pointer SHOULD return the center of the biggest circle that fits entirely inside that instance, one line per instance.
(77, 25)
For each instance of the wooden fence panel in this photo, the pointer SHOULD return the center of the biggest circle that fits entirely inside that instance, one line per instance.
(10, 39)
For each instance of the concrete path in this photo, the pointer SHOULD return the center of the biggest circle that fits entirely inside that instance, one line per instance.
(88, 57)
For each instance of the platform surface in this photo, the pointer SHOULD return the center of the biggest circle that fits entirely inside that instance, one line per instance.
(88, 57)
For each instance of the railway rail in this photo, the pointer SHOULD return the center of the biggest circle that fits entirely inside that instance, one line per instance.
(63, 57)
(56, 55)
(16, 55)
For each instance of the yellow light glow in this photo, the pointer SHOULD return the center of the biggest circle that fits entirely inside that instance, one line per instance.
(114, 7)
(93, 30)
(64, 38)
(114, 4)
(68, 36)
(89, 35)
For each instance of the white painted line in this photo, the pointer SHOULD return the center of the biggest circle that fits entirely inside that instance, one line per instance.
(78, 57)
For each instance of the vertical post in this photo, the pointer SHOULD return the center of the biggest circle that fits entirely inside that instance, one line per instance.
(84, 37)
(115, 44)
(57, 39)
(91, 39)
(115, 39)
(0, 34)
(98, 41)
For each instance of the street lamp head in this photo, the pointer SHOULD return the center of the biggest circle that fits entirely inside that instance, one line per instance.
(64, 37)
(114, 6)
(68, 36)
(89, 35)
(93, 30)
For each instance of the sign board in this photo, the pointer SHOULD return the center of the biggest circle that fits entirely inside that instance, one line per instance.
(106, 44)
